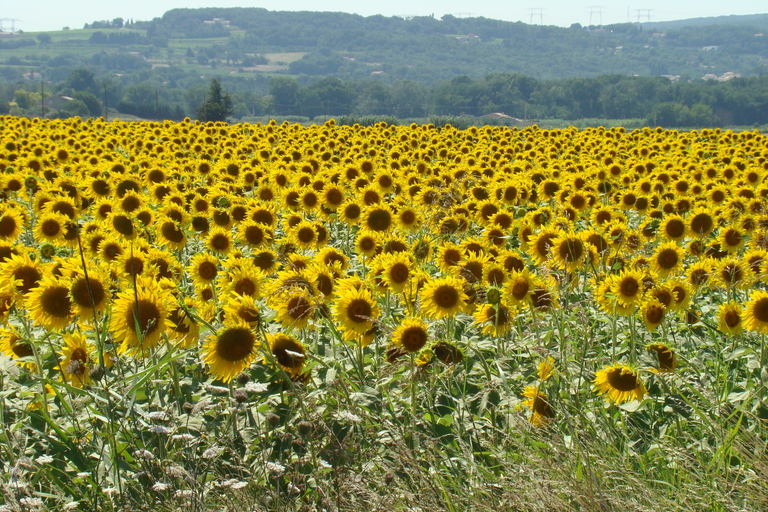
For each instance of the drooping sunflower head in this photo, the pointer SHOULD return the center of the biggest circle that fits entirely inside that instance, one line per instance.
(288, 352)
(619, 384)
(540, 406)
(231, 350)
(665, 355)
(76, 361)
(652, 312)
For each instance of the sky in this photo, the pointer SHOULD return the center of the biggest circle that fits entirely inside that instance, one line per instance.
(42, 15)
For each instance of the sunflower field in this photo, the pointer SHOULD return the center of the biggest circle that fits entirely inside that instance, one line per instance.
(276, 317)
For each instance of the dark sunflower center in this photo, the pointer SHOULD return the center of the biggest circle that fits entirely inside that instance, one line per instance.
(414, 338)
(133, 266)
(399, 273)
(446, 353)
(654, 315)
(731, 273)
(446, 296)
(79, 354)
(171, 233)
(281, 349)
(379, 220)
(7, 226)
(179, 318)
(520, 289)
(571, 250)
(254, 235)
(81, 296)
(306, 235)
(732, 318)
(622, 381)
(498, 315)
(334, 197)
(359, 311)
(29, 277)
(451, 257)
(699, 276)
(112, 251)
(235, 344)
(629, 287)
(245, 286)
(675, 228)
(21, 349)
(541, 298)
(760, 310)
(50, 228)
(250, 315)
(473, 271)
(701, 223)
(407, 217)
(542, 406)
(264, 260)
(299, 307)
(667, 259)
(145, 314)
(207, 270)
(544, 243)
(220, 242)
(55, 301)
(732, 237)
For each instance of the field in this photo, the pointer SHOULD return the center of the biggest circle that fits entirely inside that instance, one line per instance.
(277, 317)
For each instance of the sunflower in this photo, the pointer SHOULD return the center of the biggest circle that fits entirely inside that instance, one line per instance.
(443, 297)
(203, 268)
(110, 249)
(244, 280)
(519, 287)
(243, 307)
(411, 335)
(627, 287)
(254, 234)
(50, 227)
(219, 240)
(568, 251)
(367, 243)
(619, 383)
(408, 218)
(546, 369)
(539, 405)
(304, 235)
(169, 233)
(756, 312)
(395, 270)
(6, 303)
(13, 346)
(76, 365)
(231, 350)
(667, 259)
(288, 352)
(184, 330)
(295, 307)
(21, 273)
(652, 312)
(699, 273)
(140, 317)
(540, 245)
(11, 224)
(495, 319)
(733, 273)
(666, 356)
(730, 318)
(731, 239)
(356, 309)
(701, 223)
(49, 304)
(673, 228)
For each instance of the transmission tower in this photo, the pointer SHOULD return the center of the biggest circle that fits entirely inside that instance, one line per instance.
(643, 14)
(596, 10)
(537, 12)
(12, 21)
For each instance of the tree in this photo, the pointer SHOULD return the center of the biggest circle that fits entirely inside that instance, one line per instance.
(217, 105)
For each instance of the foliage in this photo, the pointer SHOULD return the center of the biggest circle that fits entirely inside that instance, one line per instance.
(217, 105)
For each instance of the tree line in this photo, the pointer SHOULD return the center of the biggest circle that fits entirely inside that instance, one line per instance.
(654, 100)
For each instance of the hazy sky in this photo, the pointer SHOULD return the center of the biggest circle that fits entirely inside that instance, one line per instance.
(38, 15)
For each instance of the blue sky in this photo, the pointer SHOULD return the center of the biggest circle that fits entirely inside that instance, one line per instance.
(39, 15)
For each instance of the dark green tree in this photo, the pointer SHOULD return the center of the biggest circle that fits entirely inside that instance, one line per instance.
(217, 105)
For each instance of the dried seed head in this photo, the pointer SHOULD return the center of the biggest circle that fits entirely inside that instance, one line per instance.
(304, 428)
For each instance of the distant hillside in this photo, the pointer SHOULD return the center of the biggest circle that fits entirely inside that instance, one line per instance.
(753, 20)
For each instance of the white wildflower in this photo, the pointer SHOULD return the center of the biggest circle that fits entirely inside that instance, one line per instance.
(211, 452)
(324, 464)
(182, 437)
(160, 487)
(143, 454)
(158, 415)
(200, 406)
(72, 505)
(159, 429)
(348, 416)
(217, 390)
(239, 485)
(183, 493)
(176, 471)
(44, 459)
(276, 467)
(111, 491)
(256, 387)
(31, 502)
(83, 474)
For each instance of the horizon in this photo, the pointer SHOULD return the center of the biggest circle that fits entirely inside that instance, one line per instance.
(50, 15)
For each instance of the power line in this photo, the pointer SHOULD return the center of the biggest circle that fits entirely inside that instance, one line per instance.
(643, 13)
(598, 10)
(537, 12)
(13, 21)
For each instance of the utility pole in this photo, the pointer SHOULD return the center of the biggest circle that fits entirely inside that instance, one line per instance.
(596, 9)
(537, 12)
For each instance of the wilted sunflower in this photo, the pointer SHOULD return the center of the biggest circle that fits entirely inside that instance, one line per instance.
(288, 351)
(666, 356)
(231, 350)
(539, 405)
(76, 365)
(756, 312)
(13, 346)
(619, 383)
(49, 304)
(411, 335)
(140, 317)
(443, 297)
